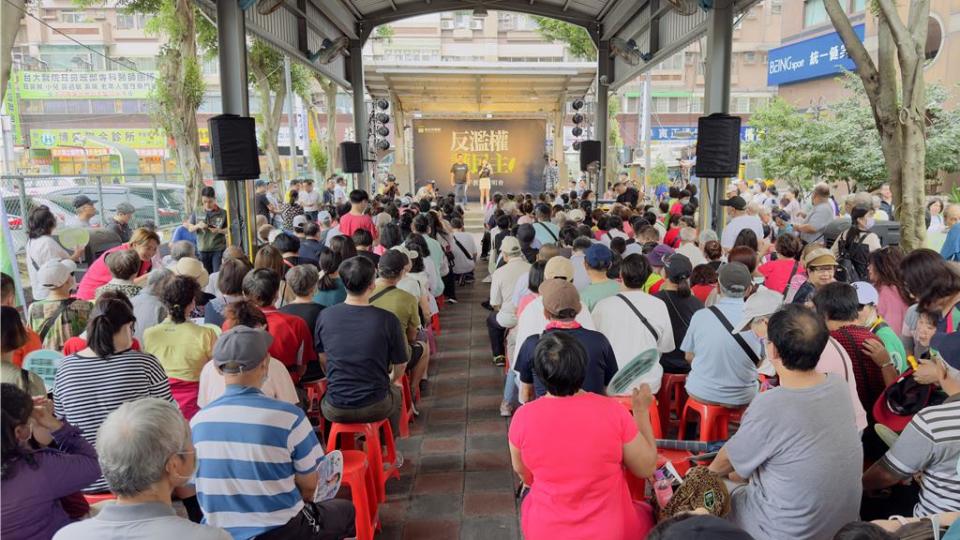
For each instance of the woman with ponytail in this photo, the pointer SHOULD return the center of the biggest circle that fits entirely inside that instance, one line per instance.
(681, 305)
(181, 345)
(43, 460)
(330, 289)
(95, 381)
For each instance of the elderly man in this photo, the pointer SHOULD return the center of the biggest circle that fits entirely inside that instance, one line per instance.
(740, 219)
(145, 453)
(723, 367)
(812, 227)
(147, 307)
(121, 221)
(181, 249)
(501, 291)
(689, 248)
(951, 246)
(263, 487)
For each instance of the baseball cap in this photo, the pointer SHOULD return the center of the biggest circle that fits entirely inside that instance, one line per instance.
(819, 257)
(736, 202)
(53, 274)
(598, 256)
(764, 302)
(125, 208)
(558, 267)
(81, 200)
(241, 348)
(678, 266)
(703, 528)
(191, 267)
(510, 246)
(659, 252)
(324, 217)
(866, 293)
(261, 183)
(901, 400)
(735, 277)
(559, 295)
(576, 215)
(781, 215)
(299, 222)
(392, 262)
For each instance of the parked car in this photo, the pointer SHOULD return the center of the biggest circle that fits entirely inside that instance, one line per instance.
(139, 195)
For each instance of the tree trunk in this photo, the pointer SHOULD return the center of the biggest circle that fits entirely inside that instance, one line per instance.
(174, 66)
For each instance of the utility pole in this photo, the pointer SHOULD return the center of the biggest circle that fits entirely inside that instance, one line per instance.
(291, 120)
(644, 134)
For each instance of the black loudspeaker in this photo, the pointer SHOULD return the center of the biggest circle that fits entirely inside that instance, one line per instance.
(351, 157)
(233, 147)
(589, 152)
(718, 146)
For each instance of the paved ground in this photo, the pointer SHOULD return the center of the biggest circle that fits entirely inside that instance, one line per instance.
(456, 481)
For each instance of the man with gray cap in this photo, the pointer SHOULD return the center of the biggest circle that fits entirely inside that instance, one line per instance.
(84, 211)
(723, 367)
(503, 283)
(257, 457)
(121, 221)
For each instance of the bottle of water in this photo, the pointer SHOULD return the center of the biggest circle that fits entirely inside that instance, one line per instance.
(663, 488)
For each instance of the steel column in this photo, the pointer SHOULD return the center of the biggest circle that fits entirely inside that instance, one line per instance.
(359, 110)
(604, 77)
(716, 99)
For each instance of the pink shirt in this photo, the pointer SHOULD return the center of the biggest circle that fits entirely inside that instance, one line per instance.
(350, 223)
(573, 448)
(776, 273)
(98, 274)
(891, 307)
(834, 359)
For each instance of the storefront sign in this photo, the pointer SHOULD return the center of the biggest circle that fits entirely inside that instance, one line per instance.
(822, 56)
(514, 149)
(134, 138)
(689, 133)
(83, 84)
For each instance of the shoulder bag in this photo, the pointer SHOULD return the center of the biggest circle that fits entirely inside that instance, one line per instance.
(737, 337)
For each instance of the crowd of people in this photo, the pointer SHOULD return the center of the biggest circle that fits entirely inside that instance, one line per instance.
(180, 391)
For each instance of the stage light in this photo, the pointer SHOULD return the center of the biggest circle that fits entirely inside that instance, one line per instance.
(576, 145)
(383, 144)
(577, 104)
(383, 118)
(383, 104)
(577, 131)
(383, 131)
(578, 118)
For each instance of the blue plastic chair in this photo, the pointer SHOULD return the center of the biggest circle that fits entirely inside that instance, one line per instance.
(44, 363)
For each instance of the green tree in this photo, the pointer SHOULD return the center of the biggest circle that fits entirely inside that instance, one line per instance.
(384, 32)
(659, 174)
(784, 145)
(179, 88)
(575, 37)
(614, 139)
(318, 157)
(895, 88)
(267, 75)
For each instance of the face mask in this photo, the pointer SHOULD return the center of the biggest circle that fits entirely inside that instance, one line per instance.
(788, 229)
(870, 223)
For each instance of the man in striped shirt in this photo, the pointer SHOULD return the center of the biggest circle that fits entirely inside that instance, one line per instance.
(257, 457)
(930, 446)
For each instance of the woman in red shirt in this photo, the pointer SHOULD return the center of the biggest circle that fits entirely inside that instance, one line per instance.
(144, 241)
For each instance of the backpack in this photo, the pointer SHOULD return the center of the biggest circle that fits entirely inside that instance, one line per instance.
(852, 262)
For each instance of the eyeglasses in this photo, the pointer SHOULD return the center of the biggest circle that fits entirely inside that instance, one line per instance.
(822, 268)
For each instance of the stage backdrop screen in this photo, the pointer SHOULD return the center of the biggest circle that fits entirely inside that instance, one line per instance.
(514, 148)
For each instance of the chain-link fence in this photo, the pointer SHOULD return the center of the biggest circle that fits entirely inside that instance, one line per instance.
(156, 198)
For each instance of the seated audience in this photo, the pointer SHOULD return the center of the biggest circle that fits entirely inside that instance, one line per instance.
(293, 341)
(363, 240)
(230, 284)
(677, 294)
(782, 271)
(883, 271)
(503, 283)
(364, 352)
(572, 462)
(561, 303)
(723, 369)
(310, 244)
(797, 447)
(636, 323)
(330, 289)
(43, 460)
(868, 297)
(145, 453)
(98, 379)
(821, 267)
(405, 306)
(8, 297)
(143, 241)
(269, 257)
(147, 306)
(598, 259)
(13, 336)
(180, 345)
(59, 316)
(264, 487)
(123, 266)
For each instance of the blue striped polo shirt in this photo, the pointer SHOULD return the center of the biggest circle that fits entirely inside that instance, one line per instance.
(249, 447)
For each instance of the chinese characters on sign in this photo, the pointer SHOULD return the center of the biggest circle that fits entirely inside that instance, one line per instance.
(689, 133)
(822, 56)
(84, 84)
(480, 141)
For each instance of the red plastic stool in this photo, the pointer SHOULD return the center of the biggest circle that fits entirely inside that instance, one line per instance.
(371, 433)
(435, 323)
(96, 498)
(441, 301)
(713, 420)
(315, 392)
(357, 475)
(627, 402)
(671, 397)
(406, 408)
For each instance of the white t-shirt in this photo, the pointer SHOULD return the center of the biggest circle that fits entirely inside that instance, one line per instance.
(737, 224)
(339, 194)
(581, 279)
(309, 200)
(608, 236)
(278, 385)
(505, 279)
(532, 322)
(462, 264)
(39, 251)
(629, 336)
(692, 252)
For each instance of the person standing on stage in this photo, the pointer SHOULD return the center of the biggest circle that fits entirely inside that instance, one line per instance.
(551, 175)
(484, 174)
(459, 177)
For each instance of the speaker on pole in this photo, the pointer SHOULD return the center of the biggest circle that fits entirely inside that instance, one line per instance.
(351, 157)
(589, 153)
(233, 147)
(718, 146)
